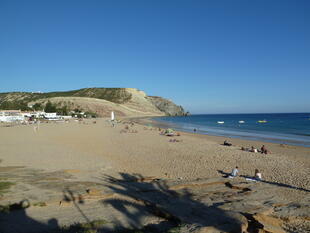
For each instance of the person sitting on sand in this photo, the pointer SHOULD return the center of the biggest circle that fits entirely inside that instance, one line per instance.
(253, 149)
(234, 172)
(258, 175)
(226, 143)
(169, 132)
(263, 150)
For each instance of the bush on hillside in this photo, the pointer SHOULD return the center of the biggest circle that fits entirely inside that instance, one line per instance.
(49, 107)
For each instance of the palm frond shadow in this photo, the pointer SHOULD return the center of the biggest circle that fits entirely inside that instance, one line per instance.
(140, 196)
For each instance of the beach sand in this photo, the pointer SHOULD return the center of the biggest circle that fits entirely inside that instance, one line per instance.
(84, 152)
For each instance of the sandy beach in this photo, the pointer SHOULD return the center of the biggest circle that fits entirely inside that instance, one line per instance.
(77, 154)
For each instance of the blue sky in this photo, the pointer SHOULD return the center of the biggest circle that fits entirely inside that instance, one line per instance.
(220, 56)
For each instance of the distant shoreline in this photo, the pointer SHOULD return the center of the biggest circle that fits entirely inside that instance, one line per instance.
(249, 131)
(242, 141)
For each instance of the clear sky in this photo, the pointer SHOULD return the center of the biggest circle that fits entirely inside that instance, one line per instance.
(220, 56)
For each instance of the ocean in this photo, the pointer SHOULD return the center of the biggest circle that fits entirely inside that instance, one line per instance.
(283, 128)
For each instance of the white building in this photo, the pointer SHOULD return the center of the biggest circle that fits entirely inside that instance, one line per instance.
(11, 116)
(17, 115)
(37, 114)
(26, 114)
(52, 116)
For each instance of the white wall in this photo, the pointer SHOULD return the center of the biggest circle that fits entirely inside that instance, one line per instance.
(11, 118)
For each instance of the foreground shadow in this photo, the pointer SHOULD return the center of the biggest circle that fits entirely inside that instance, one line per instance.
(225, 174)
(69, 196)
(15, 219)
(136, 199)
(142, 196)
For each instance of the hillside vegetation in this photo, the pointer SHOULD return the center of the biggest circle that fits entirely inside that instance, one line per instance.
(124, 101)
(116, 95)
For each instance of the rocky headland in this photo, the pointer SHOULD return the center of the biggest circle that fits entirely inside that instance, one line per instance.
(125, 102)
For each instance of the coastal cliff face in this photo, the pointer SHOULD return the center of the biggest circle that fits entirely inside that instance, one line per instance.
(167, 106)
(124, 102)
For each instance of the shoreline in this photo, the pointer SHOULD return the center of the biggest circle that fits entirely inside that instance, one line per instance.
(303, 151)
(175, 126)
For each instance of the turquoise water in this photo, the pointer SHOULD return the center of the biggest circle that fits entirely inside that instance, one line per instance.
(286, 128)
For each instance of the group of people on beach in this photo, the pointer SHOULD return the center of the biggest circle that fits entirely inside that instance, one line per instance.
(262, 150)
(235, 172)
(169, 132)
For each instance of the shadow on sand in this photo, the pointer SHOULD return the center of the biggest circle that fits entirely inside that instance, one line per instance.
(278, 184)
(14, 219)
(154, 196)
(137, 199)
(225, 175)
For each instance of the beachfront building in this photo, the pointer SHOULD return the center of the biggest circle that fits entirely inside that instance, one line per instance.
(52, 116)
(36, 114)
(17, 116)
(26, 114)
(78, 114)
(66, 117)
(42, 115)
(11, 116)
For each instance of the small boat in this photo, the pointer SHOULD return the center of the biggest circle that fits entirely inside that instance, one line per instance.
(220, 122)
(262, 121)
(241, 122)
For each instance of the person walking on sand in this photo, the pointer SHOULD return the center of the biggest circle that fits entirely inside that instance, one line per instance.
(112, 119)
(234, 172)
(36, 125)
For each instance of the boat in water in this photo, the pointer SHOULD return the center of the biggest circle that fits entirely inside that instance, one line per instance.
(220, 122)
(262, 121)
(241, 122)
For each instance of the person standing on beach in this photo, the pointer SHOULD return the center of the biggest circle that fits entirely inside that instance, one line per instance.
(112, 119)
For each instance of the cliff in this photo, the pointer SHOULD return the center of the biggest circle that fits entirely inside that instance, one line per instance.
(100, 101)
(167, 106)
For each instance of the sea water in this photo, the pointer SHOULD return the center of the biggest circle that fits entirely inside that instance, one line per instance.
(284, 128)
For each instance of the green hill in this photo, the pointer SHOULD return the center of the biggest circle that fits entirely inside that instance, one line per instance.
(127, 101)
(19, 100)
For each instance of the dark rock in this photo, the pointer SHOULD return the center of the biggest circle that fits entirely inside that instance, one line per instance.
(167, 106)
